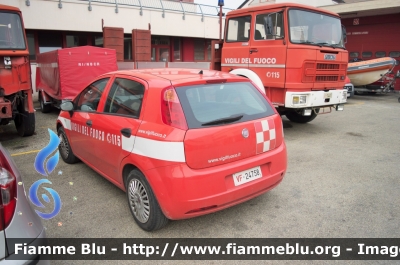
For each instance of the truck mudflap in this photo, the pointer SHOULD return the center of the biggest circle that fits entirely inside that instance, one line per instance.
(5, 109)
(315, 99)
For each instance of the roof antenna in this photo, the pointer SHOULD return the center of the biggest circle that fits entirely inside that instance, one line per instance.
(201, 72)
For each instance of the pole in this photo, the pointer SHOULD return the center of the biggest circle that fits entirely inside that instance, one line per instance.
(220, 23)
(221, 4)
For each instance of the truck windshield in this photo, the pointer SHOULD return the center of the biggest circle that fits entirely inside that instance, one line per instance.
(11, 32)
(312, 28)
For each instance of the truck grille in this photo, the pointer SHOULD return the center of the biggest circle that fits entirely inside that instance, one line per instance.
(326, 78)
(326, 66)
(323, 72)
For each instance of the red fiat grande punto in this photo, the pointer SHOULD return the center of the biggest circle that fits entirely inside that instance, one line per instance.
(181, 143)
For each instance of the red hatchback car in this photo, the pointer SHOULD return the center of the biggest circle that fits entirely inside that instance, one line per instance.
(181, 143)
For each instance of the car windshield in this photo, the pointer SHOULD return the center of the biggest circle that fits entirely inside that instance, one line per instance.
(315, 29)
(226, 103)
(11, 32)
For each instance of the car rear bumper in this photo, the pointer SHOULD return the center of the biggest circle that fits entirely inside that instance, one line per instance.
(14, 259)
(183, 192)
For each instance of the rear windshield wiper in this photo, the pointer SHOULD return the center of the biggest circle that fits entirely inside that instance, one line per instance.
(223, 120)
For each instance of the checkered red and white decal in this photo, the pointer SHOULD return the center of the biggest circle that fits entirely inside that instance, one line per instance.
(265, 135)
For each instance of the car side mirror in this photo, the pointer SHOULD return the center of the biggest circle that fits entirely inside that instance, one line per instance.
(67, 106)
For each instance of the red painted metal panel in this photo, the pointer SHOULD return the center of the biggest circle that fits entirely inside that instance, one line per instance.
(187, 50)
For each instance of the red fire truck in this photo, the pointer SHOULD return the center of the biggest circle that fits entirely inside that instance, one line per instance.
(295, 53)
(15, 73)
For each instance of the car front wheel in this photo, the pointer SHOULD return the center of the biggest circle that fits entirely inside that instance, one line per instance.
(142, 203)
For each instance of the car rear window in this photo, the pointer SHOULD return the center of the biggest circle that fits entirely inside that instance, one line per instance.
(204, 104)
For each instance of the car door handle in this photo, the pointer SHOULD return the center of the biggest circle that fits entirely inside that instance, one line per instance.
(253, 50)
(126, 132)
(89, 123)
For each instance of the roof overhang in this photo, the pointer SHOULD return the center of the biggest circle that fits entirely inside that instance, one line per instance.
(352, 9)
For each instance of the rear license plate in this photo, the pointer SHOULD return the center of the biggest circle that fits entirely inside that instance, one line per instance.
(247, 176)
(328, 95)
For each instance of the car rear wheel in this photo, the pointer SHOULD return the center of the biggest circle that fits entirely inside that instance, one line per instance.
(142, 203)
(65, 148)
(294, 116)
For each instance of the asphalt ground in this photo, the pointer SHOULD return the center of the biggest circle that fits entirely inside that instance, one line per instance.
(342, 181)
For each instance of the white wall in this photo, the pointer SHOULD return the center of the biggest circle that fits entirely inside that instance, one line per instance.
(75, 16)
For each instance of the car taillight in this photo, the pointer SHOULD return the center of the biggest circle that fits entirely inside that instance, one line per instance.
(8, 193)
(171, 109)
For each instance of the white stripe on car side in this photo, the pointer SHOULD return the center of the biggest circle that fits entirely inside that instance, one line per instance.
(127, 143)
(167, 151)
(66, 123)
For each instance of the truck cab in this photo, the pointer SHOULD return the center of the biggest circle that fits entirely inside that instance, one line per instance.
(15, 73)
(295, 53)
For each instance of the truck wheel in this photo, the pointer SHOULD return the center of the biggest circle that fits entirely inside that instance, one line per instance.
(45, 108)
(25, 123)
(65, 148)
(142, 202)
(294, 116)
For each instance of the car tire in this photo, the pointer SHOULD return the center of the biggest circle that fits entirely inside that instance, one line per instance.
(25, 123)
(142, 202)
(294, 116)
(45, 108)
(65, 148)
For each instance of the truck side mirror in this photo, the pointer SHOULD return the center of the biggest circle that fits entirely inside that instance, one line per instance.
(344, 33)
(269, 25)
(272, 25)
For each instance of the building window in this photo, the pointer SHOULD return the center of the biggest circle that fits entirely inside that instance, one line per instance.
(354, 54)
(380, 54)
(394, 54)
(97, 40)
(208, 44)
(74, 40)
(160, 47)
(128, 47)
(199, 54)
(31, 46)
(238, 29)
(159, 40)
(177, 49)
(367, 54)
(49, 41)
(153, 54)
(163, 54)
